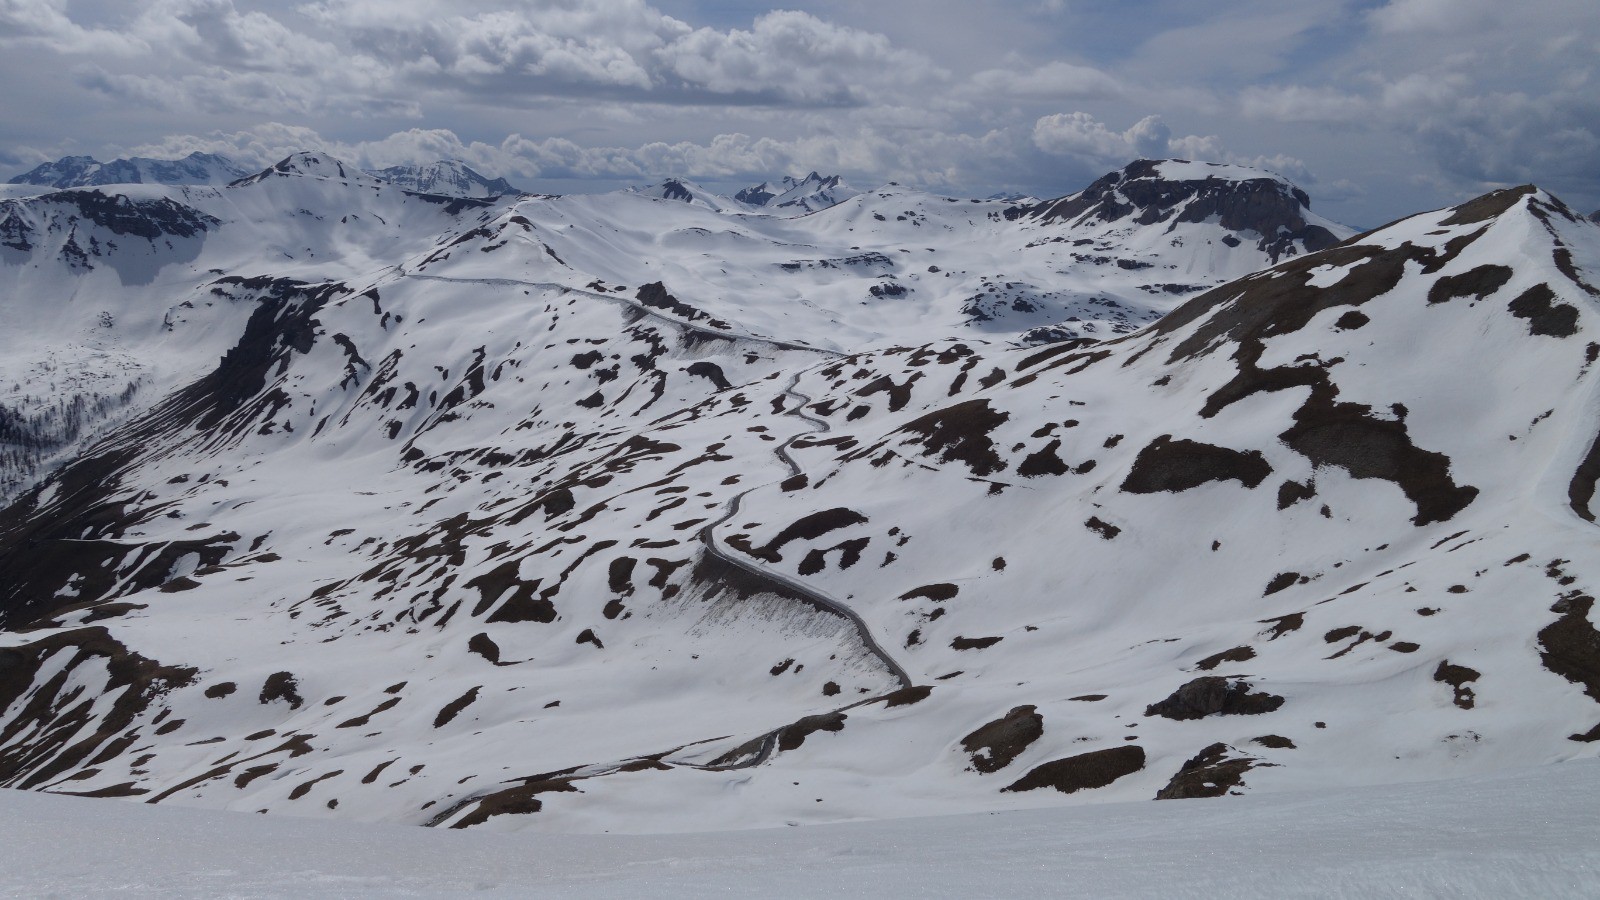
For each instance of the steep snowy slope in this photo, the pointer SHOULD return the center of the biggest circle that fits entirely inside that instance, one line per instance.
(459, 542)
(114, 297)
(86, 171)
(447, 177)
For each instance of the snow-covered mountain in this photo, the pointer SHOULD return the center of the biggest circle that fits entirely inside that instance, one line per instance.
(615, 512)
(85, 171)
(800, 195)
(447, 177)
(682, 190)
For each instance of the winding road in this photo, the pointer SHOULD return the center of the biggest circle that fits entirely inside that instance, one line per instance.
(790, 584)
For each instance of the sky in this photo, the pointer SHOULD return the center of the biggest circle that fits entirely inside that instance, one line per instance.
(1378, 108)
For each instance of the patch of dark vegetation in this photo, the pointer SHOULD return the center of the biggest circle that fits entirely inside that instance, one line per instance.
(712, 372)
(1283, 625)
(587, 636)
(282, 686)
(1570, 646)
(1237, 654)
(1477, 283)
(485, 647)
(1214, 695)
(906, 696)
(1292, 492)
(365, 719)
(1212, 772)
(1545, 316)
(454, 707)
(899, 394)
(1458, 677)
(1275, 742)
(1580, 490)
(1281, 581)
(1085, 771)
(221, 689)
(807, 528)
(521, 800)
(1173, 466)
(994, 745)
(792, 736)
(1351, 320)
(1346, 435)
(1043, 461)
(938, 593)
(655, 296)
(966, 643)
(849, 551)
(960, 433)
(522, 602)
(1105, 529)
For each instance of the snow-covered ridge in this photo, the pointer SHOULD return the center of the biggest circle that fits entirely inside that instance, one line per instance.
(803, 195)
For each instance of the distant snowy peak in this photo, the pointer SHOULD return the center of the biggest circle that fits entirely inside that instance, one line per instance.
(807, 194)
(684, 191)
(1238, 198)
(447, 177)
(308, 164)
(86, 171)
(1014, 197)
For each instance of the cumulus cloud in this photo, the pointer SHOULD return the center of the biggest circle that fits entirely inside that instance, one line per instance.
(1081, 135)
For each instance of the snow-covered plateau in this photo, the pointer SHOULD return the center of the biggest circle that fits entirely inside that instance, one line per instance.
(658, 511)
(1526, 833)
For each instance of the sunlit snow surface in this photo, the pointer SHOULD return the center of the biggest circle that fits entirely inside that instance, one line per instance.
(1521, 834)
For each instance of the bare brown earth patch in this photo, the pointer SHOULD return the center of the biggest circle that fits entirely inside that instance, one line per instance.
(994, 745)
(1458, 677)
(960, 433)
(1214, 695)
(1213, 772)
(1237, 654)
(1173, 466)
(1085, 771)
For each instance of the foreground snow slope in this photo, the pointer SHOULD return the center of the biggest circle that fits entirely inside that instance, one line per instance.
(1515, 834)
(457, 541)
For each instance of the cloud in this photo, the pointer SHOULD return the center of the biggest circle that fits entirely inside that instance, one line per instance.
(1081, 135)
(1417, 102)
(1056, 80)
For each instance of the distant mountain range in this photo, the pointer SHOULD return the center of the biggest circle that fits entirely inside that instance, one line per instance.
(449, 178)
(86, 171)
